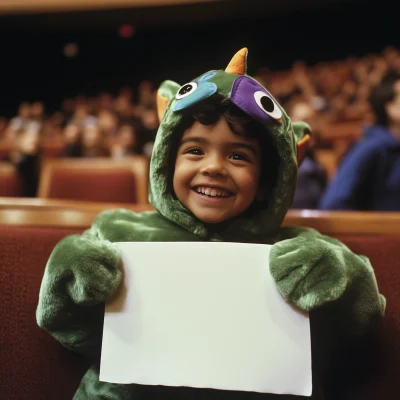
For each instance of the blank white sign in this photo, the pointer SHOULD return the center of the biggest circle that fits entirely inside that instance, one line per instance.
(205, 315)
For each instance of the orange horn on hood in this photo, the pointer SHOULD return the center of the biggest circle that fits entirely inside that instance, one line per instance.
(238, 64)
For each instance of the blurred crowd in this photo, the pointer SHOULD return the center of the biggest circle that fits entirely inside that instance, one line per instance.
(116, 125)
(105, 125)
(335, 91)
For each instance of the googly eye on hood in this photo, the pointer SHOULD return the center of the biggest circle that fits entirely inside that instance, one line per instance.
(194, 92)
(255, 101)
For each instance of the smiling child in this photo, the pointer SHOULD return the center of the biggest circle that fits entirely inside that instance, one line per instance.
(223, 168)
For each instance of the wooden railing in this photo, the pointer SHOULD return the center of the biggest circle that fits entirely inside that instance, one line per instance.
(80, 214)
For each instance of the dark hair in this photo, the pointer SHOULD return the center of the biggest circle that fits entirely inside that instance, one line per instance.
(210, 111)
(380, 95)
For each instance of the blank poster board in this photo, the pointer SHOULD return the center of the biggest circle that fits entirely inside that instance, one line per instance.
(204, 315)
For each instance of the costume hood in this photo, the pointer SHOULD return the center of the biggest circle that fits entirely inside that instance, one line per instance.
(290, 139)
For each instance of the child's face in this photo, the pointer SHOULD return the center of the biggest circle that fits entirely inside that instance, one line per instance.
(217, 173)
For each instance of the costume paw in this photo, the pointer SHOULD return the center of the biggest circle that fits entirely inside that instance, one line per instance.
(308, 270)
(90, 268)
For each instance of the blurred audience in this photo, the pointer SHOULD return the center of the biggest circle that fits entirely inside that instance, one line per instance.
(126, 123)
(338, 90)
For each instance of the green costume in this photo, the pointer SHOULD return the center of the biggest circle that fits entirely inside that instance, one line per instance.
(315, 272)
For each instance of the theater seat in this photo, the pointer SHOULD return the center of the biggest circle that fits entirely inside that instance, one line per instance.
(53, 147)
(100, 179)
(10, 184)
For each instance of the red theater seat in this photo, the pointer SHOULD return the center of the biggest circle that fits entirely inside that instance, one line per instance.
(10, 184)
(100, 179)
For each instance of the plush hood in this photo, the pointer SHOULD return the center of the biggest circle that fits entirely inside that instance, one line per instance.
(291, 140)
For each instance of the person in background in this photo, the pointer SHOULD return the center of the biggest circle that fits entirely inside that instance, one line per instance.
(26, 158)
(80, 114)
(312, 177)
(105, 101)
(123, 105)
(19, 123)
(84, 140)
(146, 94)
(148, 131)
(108, 122)
(72, 136)
(67, 110)
(368, 178)
(38, 112)
(127, 142)
(93, 144)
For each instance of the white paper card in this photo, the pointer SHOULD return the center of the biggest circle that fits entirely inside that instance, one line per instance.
(205, 315)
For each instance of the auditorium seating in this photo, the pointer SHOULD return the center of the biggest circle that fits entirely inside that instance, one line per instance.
(10, 183)
(99, 179)
(52, 147)
(32, 362)
(5, 149)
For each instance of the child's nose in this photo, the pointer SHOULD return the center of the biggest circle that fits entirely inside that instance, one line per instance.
(213, 166)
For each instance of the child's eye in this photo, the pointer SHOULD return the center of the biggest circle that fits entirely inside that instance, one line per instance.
(194, 150)
(239, 157)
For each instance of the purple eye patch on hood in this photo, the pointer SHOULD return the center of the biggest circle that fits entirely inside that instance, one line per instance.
(255, 101)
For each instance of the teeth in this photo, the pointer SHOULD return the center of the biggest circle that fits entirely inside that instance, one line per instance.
(212, 192)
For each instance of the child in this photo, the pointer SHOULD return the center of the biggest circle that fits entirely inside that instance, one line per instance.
(223, 169)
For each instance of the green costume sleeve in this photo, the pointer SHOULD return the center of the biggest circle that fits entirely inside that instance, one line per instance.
(81, 274)
(315, 271)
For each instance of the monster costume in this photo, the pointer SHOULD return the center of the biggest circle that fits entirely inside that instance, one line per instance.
(314, 272)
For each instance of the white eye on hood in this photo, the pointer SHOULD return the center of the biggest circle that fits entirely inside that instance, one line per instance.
(186, 89)
(267, 105)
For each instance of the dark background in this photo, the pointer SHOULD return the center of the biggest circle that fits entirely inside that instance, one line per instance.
(179, 42)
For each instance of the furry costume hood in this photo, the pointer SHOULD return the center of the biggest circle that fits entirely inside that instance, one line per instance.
(290, 139)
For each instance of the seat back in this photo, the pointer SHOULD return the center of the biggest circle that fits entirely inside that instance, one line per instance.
(53, 147)
(371, 366)
(10, 182)
(100, 179)
(30, 359)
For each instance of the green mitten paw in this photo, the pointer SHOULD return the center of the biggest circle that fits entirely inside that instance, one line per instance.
(308, 270)
(91, 268)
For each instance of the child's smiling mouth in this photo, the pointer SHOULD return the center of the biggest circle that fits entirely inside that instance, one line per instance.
(212, 192)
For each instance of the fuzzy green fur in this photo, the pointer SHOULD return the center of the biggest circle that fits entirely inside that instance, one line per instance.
(314, 272)
(82, 271)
